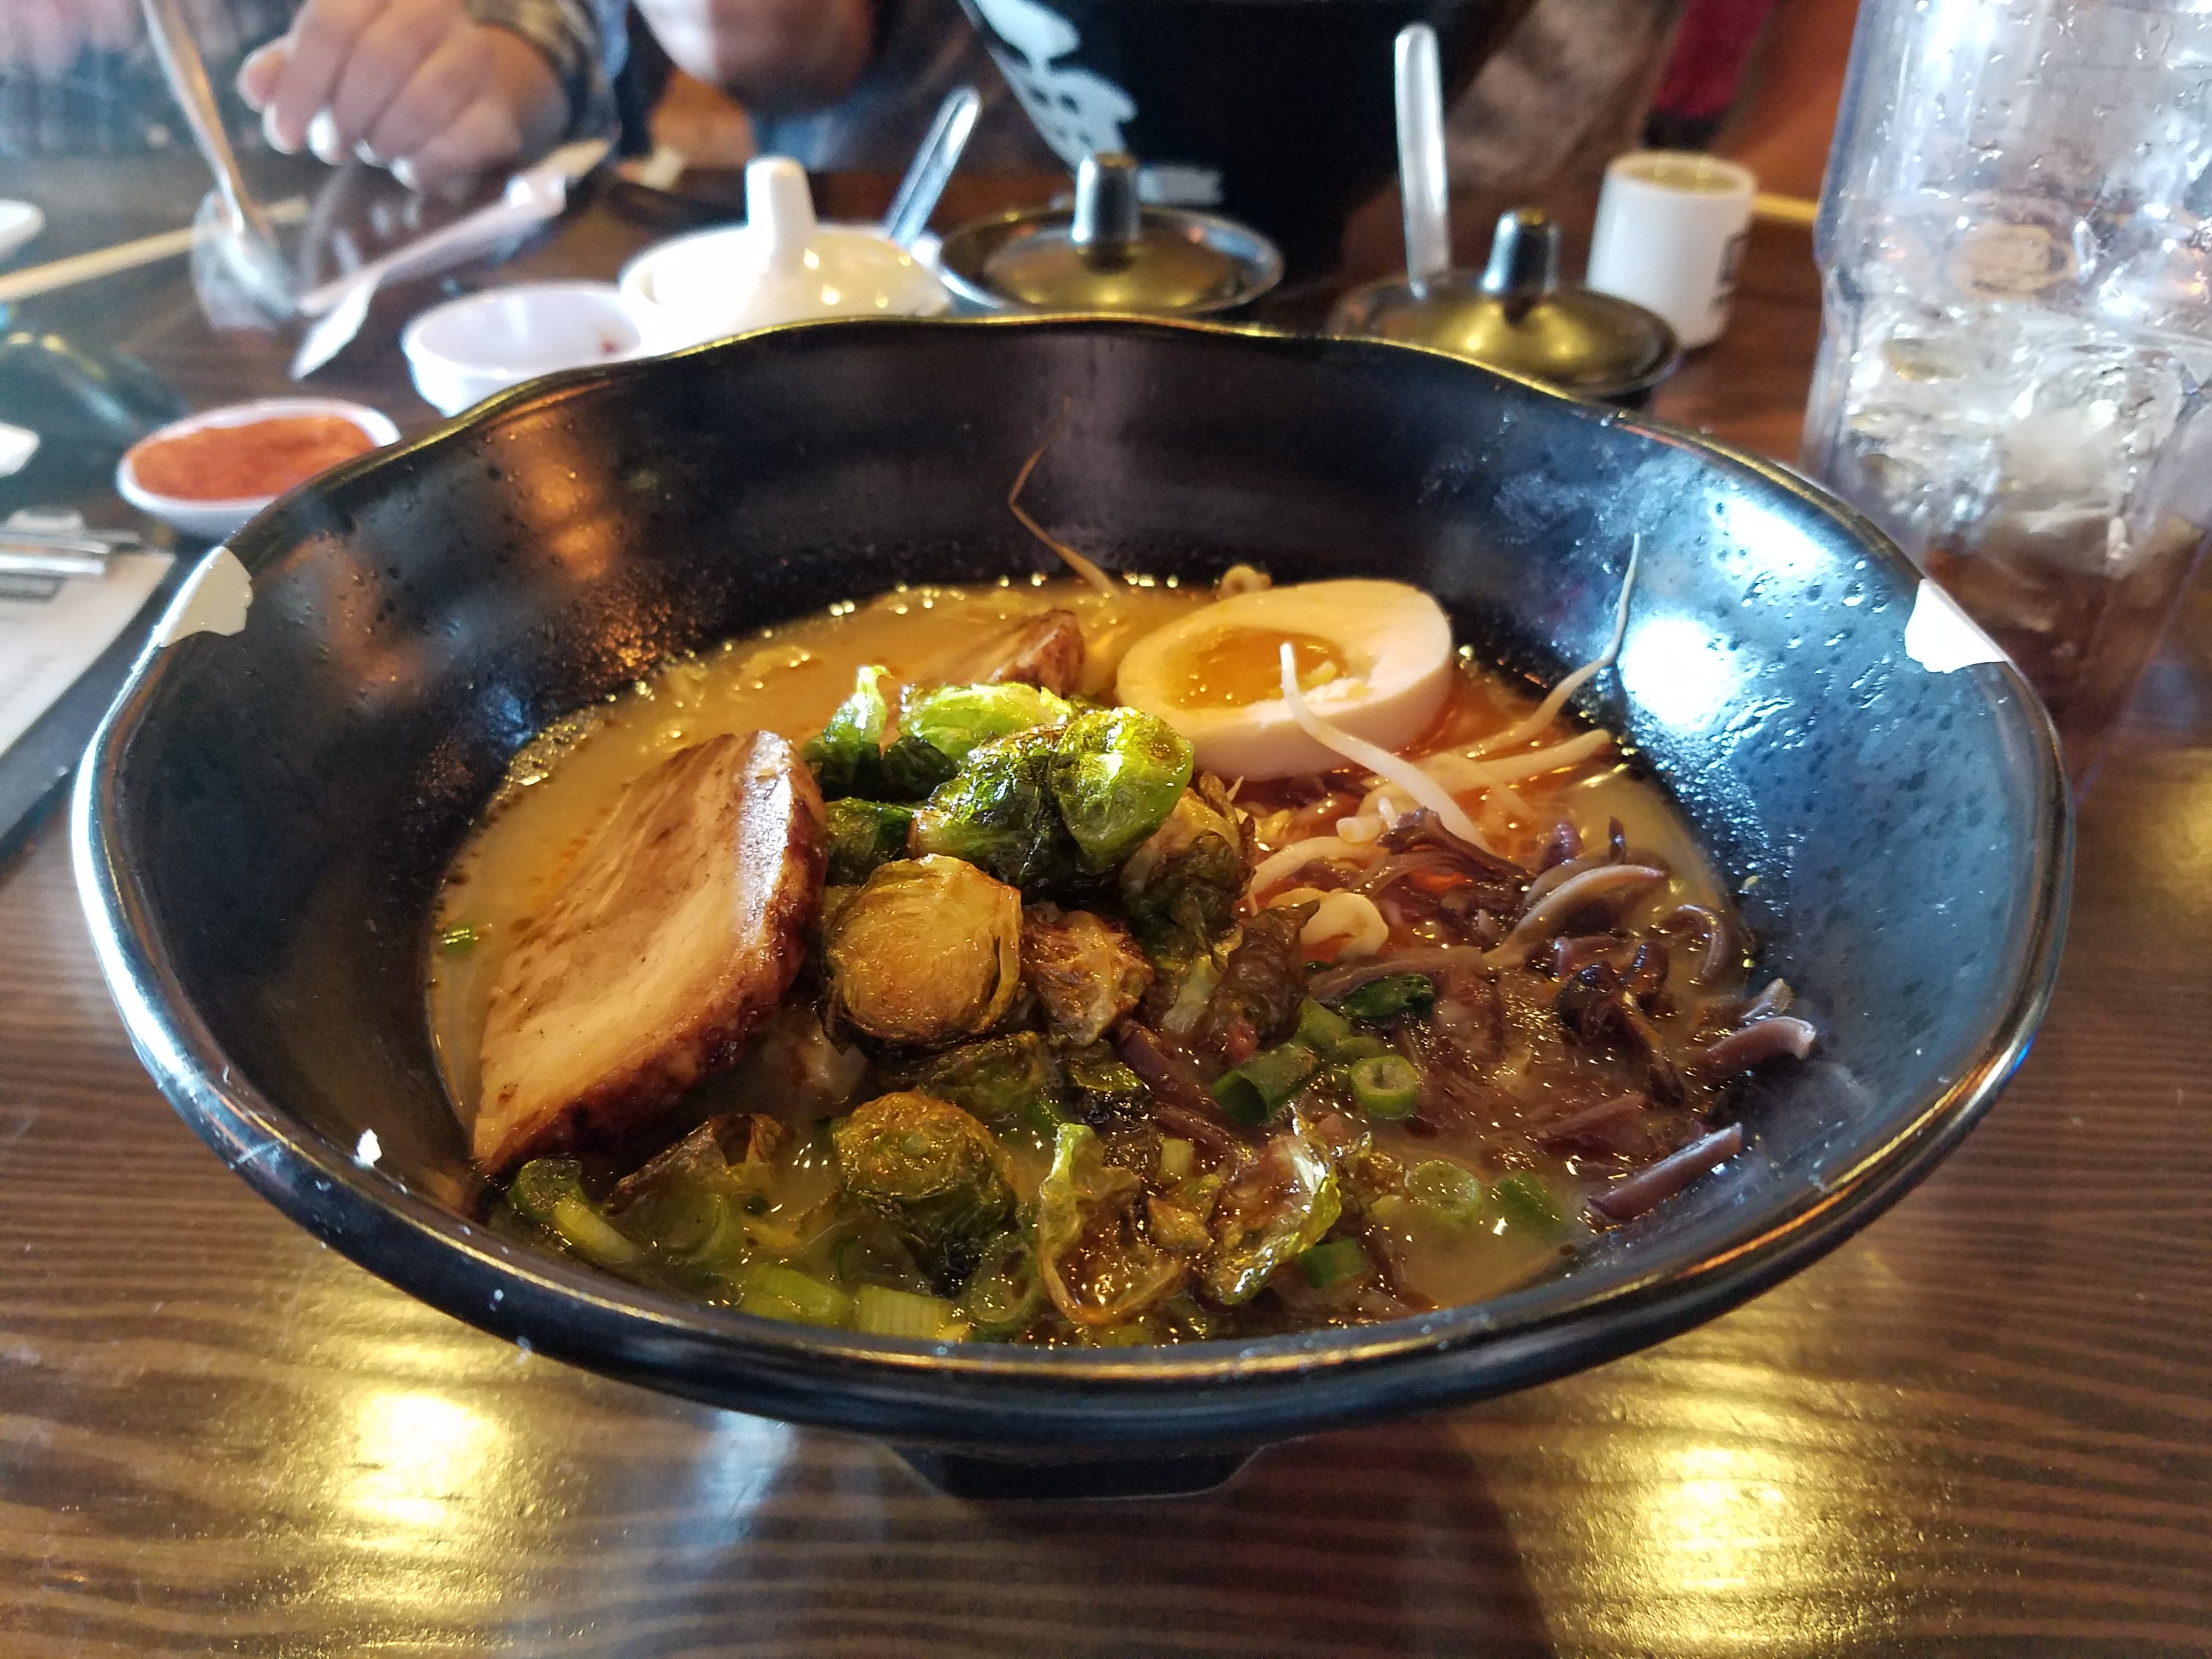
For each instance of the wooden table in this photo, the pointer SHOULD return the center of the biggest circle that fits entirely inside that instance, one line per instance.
(1984, 1427)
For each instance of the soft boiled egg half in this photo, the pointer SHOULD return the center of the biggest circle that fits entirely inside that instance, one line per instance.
(1374, 658)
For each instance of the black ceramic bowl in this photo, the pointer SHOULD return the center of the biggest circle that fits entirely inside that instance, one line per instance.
(261, 825)
(1279, 112)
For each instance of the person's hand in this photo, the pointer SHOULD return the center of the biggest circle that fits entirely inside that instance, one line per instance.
(773, 55)
(414, 85)
(43, 36)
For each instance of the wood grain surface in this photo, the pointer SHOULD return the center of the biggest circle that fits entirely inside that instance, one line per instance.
(1984, 1427)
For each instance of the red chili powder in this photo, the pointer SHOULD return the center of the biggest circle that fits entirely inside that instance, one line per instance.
(237, 463)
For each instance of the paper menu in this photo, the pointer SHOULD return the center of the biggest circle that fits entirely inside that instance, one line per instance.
(54, 629)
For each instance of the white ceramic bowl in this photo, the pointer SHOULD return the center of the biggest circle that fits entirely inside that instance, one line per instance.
(684, 291)
(217, 519)
(462, 352)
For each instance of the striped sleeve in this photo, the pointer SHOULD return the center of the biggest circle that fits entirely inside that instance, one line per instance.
(584, 42)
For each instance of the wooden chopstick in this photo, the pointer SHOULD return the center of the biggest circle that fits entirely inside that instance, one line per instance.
(122, 256)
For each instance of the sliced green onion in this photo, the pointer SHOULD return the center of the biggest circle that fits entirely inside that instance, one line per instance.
(675, 1219)
(594, 1237)
(1362, 1047)
(550, 1191)
(457, 941)
(1445, 1190)
(775, 1291)
(1174, 1158)
(1322, 1029)
(878, 1310)
(1004, 1293)
(723, 1251)
(1263, 1085)
(1529, 1203)
(1382, 1001)
(1333, 1263)
(1386, 1086)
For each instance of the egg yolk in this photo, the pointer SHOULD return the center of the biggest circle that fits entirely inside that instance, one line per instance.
(1235, 667)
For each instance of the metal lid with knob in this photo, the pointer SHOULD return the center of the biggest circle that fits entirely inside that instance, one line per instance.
(1109, 252)
(1517, 317)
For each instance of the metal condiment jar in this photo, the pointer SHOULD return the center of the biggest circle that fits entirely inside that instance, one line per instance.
(1517, 317)
(1109, 252)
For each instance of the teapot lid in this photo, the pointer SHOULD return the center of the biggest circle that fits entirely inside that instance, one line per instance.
(1109, 252)
(1517, 317)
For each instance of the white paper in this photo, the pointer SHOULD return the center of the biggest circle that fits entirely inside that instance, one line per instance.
(52, 628)
(1942, 638)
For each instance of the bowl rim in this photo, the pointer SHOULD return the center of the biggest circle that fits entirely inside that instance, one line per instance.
(382, 431)
(419, 353)
(959, 1393)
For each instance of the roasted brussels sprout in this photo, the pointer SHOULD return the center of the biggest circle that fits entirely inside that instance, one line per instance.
(956, 720)
(1098, 1266)
(864, 834)
(1116, 775)
(1252, 998)
(911, 768)
(1085, 969)
(690, 1205)
(1001, 1081)
(849, 757)
(1273, 1210)
(929, 950)
(1181, 888)
(998, 814)
(933, 1171)
(846, 755)
(1101, 1085)
(1003, 1294)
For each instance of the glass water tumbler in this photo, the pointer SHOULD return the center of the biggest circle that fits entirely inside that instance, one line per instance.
(2015, 249)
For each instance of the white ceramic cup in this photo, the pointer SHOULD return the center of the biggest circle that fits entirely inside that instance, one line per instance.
(1670, 229)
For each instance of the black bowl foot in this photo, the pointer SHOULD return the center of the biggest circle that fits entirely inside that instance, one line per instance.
(991, 1478)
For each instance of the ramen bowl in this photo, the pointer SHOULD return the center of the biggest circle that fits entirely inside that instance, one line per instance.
(263, 821)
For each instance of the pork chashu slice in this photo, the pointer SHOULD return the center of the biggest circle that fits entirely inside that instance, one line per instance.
(678, 929)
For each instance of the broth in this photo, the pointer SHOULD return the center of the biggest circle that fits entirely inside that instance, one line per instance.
(566, 784)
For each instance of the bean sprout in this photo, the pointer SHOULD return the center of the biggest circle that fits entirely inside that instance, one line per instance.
(1081, 567)
(1391, 768)
(1548, 710)
(1299, 854)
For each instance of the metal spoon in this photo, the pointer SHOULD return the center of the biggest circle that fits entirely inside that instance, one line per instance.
(1422, 179)
(246, 246)
(932, 167)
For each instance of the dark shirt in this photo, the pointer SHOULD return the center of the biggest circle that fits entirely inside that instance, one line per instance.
(924, 48)
(1564, 95)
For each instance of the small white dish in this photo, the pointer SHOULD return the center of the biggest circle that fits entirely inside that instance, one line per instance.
(217, 519)
(463, 351)
(19, 222)
(779, 266)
